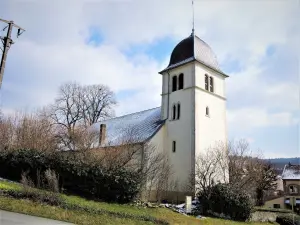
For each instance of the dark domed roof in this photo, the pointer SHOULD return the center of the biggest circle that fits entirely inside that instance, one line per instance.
(193, 48)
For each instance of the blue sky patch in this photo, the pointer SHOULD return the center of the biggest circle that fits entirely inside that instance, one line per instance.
(280, 64)
(96, 37)
(288, 141)
(232, 66)
(121, 95)
(271, 50)
(159, 49)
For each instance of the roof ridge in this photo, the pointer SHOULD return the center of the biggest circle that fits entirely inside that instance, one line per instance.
(117, 117)
(283, 170)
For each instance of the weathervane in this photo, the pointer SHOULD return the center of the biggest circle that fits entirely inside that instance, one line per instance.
(193, 30)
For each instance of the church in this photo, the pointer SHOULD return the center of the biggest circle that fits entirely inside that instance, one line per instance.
(192, 115)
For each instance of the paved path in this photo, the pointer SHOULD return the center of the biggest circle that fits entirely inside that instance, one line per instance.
(10, 218)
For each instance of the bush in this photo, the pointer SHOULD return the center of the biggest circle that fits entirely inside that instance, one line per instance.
(261, 209)
(288, 219)
(77, 175)
(36, 195)
(51, 180)
(226, 202)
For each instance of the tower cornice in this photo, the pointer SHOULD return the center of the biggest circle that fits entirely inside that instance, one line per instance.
(192, 59)
(201, 89)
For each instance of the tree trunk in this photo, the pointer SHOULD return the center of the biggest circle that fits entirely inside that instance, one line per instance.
(259, 197)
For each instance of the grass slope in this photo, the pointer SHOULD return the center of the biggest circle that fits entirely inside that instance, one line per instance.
(77, 217)
(100, 212)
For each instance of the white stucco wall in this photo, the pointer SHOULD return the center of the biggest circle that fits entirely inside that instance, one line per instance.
(219, 80)
(194, 132)
(180, 130)
(188, 83)
(164, 96)
(157, 141)
(209, 129)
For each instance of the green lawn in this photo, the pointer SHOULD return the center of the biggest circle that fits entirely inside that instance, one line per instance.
(57, 213)
(81, 211)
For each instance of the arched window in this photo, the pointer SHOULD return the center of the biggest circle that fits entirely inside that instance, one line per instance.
(173, 146)
(174, 112)
(207, 111)
(293, 189)
(174, 83)
(206, 82)
(178, 111)
(180, 85)
(211, 84)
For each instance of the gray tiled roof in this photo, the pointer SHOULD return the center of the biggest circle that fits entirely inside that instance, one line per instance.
(194, 48)
(291, 172)
(138, 127)
(181, 62)
(204, 54)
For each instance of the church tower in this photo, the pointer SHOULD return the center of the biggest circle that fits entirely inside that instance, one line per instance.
(193, 105)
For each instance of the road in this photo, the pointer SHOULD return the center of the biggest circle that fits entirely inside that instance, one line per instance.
(10, 218)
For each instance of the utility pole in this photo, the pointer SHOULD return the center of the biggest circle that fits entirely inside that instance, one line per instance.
(7, 42)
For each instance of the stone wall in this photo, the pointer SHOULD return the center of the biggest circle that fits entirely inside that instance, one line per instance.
(260, 216)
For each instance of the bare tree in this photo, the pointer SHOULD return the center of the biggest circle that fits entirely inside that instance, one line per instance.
(249, 172)
(97, 102)
(76, 108)
(131, 152)
(7, 132)
(242, 164)
(266, 180)
(211, 167)
(26, 131)
(126, 151)
(158, 173)
(235, 164)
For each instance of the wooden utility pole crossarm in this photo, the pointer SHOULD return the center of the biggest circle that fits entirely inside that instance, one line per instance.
(7, 42)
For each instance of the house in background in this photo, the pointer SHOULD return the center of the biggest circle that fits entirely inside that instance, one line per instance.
(290, 181)
(192, 115)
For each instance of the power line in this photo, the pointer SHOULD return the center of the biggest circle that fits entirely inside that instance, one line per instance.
(7, 42)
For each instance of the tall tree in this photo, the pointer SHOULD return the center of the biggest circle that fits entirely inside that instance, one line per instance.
(247, 171)
(76, 108)
(211, 167)
(250, 171)
(266, 180)
(97, 103)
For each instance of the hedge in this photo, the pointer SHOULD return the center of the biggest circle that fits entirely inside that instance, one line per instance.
(288, 219)
(226, 202)
(76, 175)
(276, 210)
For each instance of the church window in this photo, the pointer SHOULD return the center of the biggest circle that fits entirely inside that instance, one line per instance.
(174, 83)
(211, 84)
(293, 189)
(207, 111)
(174, 112)
(173, 146)
(180, 81)
(206, 82)
(178, 111)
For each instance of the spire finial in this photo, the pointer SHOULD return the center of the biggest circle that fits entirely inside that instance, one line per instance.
(193, 30)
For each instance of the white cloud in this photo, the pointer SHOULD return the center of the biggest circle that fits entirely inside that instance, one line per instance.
(251, 118)
(53, 50)
(46, 67)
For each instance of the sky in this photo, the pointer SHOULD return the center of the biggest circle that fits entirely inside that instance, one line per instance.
(125, 43)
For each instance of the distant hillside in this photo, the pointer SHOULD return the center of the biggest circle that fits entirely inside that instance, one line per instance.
(279, 163)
